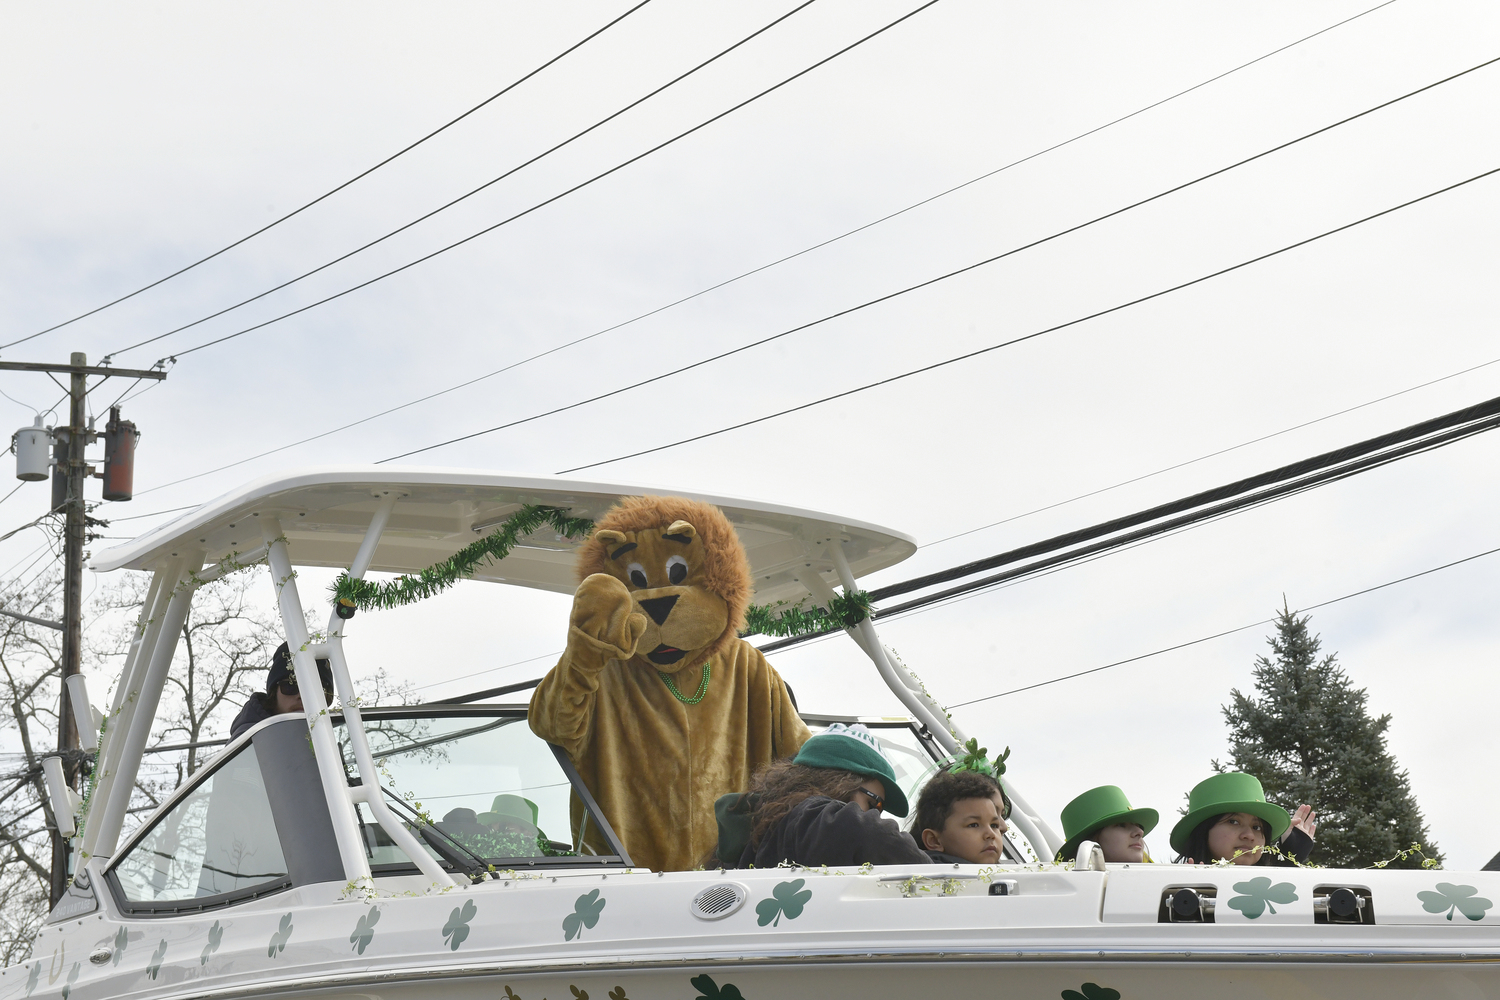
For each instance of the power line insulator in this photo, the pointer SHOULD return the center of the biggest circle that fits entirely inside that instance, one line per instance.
(120, 437)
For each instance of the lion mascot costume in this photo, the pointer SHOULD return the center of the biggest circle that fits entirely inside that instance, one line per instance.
(657, 701)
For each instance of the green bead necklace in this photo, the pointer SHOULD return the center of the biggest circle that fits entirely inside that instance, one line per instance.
(672, 687)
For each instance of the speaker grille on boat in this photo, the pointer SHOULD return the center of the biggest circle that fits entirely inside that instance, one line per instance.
(719, 901)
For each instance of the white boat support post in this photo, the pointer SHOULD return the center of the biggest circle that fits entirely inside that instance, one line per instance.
(320, 726)
(368, 791)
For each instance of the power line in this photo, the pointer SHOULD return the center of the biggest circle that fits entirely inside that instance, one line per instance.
(469, 194)
(756, 270)
(556, 197)
(1220, 635)
(1212, 454)
(327, 194)
(1051, 329)
(943, 277)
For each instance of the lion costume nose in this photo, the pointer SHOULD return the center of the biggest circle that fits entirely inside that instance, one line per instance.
(658, 607)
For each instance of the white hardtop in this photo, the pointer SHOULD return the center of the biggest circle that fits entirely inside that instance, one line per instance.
(325, 512)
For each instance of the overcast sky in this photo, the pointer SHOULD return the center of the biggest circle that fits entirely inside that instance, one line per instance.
(140, 137)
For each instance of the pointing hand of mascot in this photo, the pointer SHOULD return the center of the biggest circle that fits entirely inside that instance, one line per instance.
(602, 616)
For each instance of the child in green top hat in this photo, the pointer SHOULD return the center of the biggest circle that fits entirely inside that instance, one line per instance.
(1104, 816)
(1229, 819)
(822, 807)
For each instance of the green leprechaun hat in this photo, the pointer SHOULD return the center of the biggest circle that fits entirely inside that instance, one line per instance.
(1232, 792)
(1097, 808)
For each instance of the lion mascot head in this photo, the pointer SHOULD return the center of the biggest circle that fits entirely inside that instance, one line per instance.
(686, 571)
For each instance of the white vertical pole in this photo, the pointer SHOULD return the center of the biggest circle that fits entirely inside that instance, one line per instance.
(320, 727)
(122, 783)
(127, 691)
(369, 790)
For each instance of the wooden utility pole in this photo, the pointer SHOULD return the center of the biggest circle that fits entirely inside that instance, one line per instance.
(75, 470)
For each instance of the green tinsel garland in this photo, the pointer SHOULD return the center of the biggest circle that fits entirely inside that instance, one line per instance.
(847, 611)
(440, 576)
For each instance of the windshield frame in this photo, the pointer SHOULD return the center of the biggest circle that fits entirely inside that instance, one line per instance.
(511, 714)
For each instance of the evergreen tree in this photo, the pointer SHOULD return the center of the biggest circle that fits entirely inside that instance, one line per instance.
(1309, 738)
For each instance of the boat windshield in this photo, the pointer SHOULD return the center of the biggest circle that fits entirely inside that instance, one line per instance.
(479, 789)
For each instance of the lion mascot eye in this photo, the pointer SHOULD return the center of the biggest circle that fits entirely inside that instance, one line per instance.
(637, 574)
(677, 570)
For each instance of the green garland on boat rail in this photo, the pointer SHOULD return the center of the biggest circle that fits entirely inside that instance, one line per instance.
(846, 611)
(350, 594)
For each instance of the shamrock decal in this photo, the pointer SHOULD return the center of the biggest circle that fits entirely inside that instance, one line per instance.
(586, 910)
(457, 927)
(122, 938)
(710, 990)
(72, 978)
(364, 931)
(511, 994)
(1091, 991)
(1259, 894)
(785, 901)
(215, 935)
(31, 980)
(618, 993)
(577, 993)
(156, 957)
(1452, 897)
(280, 938)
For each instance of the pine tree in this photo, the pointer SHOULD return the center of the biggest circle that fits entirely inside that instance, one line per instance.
(1309, 738)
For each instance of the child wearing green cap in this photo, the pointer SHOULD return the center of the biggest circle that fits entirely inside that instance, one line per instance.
(820, 808)
(1229, 819)
(1104, 816)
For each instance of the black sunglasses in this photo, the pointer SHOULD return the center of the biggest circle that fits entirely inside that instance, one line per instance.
(290, 689)
(877, 801)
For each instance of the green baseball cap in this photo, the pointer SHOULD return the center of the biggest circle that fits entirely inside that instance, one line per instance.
(854, 748)
(1097, 808)
(1233, 792)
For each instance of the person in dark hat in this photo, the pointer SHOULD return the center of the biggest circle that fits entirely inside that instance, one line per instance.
(281, 694)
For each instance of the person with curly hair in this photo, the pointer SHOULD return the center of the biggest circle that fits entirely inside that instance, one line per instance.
(960, 818)
(823, 807)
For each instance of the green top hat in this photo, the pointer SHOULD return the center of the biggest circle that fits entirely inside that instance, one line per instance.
(854, 748)
(508, 806)
(1233, 792)
(1097, 808)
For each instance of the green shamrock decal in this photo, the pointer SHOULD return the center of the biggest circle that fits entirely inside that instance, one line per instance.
(280, 938)
(31, 980)
(457, 927)
(710, 990)
(1450, 897)
(1259, 894)
(618, 993)
(577, 993)
(511, 994)
(364, 931)
(156, 957)
(785, 901)
(215, 935)
(122, 938)
(72, 978)
(586, 910)
(1091, 991)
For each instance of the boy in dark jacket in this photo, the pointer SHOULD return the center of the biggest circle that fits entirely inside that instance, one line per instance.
(959, 818)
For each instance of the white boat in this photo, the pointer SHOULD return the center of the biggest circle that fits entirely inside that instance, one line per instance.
(296, 863)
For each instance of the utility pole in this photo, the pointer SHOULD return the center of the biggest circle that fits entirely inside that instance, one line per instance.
(74, 470)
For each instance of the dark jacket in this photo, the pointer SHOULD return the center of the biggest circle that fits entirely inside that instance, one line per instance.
(1297, 844)
(254, 711)
(939, 858)
(822, 831)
